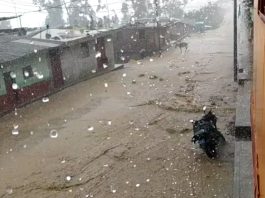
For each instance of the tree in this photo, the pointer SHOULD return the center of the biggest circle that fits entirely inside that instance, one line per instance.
(5, 24)
(125, 12)
(173, 8)
(115, 19)
(55, 11)
(140, 8)
(106, 22)
(81, 14)
(100, 23)
(211, 15)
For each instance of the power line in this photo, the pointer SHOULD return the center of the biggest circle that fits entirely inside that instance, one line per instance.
(60, 7)
(22, 5)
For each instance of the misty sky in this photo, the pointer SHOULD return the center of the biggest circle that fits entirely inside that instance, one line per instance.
(36, 19)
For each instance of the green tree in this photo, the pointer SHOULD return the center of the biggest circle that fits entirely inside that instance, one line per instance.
(81, 14)
(140, 8)
(125, 12)
(211, 15)
(54, 9)
(173, 8)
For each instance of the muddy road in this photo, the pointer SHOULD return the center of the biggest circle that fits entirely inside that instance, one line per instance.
(127, 133)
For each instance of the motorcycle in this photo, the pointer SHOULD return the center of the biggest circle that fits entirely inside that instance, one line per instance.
(206, 134)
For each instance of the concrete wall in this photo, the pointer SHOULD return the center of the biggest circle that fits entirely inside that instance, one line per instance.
(244, 41)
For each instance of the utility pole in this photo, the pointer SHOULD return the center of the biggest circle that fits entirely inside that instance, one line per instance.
(235, 40)
(156, 2)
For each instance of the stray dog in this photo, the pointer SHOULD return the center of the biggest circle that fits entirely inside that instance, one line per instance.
(181, 45)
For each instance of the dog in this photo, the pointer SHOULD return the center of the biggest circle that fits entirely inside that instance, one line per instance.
(181, 45)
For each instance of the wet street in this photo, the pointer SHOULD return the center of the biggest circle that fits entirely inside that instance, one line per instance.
(127, 133)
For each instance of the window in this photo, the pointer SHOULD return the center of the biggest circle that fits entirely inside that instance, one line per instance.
(141, 34)
(27, 72)
(84, 50)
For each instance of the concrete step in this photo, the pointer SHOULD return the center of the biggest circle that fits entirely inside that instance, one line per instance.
(243, 170)
(243, 118)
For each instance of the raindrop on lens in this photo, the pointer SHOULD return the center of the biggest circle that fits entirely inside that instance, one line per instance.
(15, 130)
(40, 76)
(13, 75)
(26, 73)
(45, 99)
(68, 178)
(14, 86)
(98, 55)
(53, 134)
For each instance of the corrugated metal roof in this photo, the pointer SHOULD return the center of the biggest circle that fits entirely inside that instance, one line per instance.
(13, 47)
(12, 50)
(35, 42)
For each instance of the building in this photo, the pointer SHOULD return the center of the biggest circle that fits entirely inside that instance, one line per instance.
(82, 54)
(40, 65)
(25, 72)
(144, 38)
(130, 40)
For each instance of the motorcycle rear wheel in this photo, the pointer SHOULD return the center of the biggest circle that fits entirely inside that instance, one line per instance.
(211, 152)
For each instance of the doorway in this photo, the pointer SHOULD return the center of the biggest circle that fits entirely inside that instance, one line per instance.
(12, 94)
(100, 48)
(56, 68)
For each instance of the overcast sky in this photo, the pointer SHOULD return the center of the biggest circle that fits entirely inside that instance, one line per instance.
(36, 19)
